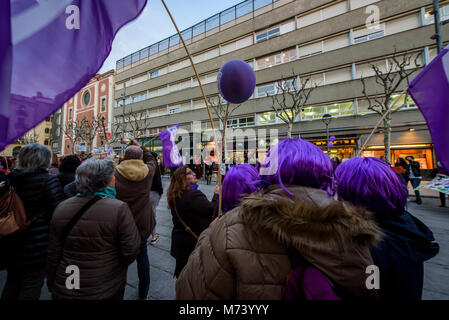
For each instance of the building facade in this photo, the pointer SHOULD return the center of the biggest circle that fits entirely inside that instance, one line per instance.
(332, 42)
(93, 105)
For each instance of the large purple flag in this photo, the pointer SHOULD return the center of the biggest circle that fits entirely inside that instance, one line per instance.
(48, 51)
(430, 91)
(170, 152)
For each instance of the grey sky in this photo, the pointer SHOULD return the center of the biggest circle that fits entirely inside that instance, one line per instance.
(154, 24)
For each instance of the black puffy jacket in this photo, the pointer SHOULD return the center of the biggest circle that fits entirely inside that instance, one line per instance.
(65, 178)
(40, 193)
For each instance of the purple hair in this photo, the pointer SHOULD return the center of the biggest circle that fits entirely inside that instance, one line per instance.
(371, 183)
(299, 162)
(239, 180)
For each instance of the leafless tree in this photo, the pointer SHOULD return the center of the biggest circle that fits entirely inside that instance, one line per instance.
(72, 132)
(89, 130)
(291, 97)
(27, 138)
(398, 71)
(136, 124)
(223, 111)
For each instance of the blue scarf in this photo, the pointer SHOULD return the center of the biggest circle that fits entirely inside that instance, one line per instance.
(194, 187)
(108, 192)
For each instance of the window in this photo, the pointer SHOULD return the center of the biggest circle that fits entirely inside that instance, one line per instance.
(310, 49)
(70, 114)
(372, 36)
(279, 58)
(173, 110)
(154, 74)
(268, 34)
(140, 97)
(46, 142)
(266, 90)
(103, 104)
(430, 19)
(336, 110)
(86, 98)
(47, 130)
(240, 123)
(266, 118)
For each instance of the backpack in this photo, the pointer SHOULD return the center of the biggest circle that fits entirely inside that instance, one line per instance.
(12, 214)
(305, 282)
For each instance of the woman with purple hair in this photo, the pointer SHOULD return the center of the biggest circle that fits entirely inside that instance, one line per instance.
(240, 180)
(371, 184)
(250, 252)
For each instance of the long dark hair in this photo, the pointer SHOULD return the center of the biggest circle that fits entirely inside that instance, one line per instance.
(178, 186)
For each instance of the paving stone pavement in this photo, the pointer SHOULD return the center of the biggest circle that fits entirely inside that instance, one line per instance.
(162, 286)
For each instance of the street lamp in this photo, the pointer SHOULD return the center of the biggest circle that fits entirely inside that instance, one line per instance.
(327, 118)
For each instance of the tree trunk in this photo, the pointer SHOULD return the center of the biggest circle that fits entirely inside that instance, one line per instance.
(290, 128)
(387, 138)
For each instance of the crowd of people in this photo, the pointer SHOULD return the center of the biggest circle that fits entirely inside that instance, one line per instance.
(321, 217)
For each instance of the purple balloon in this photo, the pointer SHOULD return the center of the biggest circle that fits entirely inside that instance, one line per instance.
(236, 81)
(332, 138)
(330, 144)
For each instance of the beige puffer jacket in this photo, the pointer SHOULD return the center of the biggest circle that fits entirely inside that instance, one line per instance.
(243, 256)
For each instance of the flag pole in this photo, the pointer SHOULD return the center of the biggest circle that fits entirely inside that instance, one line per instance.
(381, 119)
(204, 97)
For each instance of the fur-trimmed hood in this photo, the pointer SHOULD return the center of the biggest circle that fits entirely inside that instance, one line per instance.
(334, 236)
(310, 218)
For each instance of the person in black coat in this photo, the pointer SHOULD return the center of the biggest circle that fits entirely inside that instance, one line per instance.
(67, 169)
(195, 210)
(24, 253)
(407, 242)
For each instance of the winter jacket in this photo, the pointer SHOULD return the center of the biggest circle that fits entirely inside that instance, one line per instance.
(197, 212)
(70, 190)
(133, 179)
(414, 166)
(400, 257)
(40, 193)
(244, 254)
(101, 244)
(65, 178)
(157, 182)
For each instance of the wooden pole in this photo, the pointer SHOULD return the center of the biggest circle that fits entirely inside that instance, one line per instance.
(204, 97)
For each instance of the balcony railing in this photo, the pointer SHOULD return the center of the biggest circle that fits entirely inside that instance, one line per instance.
(222, 18)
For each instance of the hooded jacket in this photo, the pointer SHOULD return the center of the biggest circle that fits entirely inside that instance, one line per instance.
(400, 256)
(133, 179)
(244, 255)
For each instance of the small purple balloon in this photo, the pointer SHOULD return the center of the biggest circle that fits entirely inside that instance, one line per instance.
(332, 138)
(236, 81)
(330, 144)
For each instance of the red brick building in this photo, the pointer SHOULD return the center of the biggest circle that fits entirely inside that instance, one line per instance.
(93, 101)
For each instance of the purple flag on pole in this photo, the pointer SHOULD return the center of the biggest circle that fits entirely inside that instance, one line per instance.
(430, 91)
(57, 46)
(170, 152)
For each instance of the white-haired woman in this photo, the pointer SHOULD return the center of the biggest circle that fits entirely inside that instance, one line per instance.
(24, 252)
(101, 243)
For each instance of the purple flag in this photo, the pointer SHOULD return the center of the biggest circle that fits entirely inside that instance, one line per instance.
(170, 152)
(57, 47)
(430, 91)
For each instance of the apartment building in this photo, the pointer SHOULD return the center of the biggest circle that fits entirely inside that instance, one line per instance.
(327, 41)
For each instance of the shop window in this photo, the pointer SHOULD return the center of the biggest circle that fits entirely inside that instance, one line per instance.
(336, 110)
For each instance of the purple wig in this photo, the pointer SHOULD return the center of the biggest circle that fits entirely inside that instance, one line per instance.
(239, 180)
(371, 183)
(299, 162)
